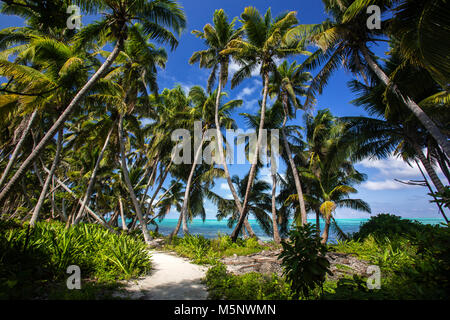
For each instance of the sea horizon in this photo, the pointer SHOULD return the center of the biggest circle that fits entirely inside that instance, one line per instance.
(211, 228)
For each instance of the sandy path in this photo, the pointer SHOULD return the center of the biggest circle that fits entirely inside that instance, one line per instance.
(171, 278)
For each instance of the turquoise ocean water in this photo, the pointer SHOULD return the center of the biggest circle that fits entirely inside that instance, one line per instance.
(210, 228)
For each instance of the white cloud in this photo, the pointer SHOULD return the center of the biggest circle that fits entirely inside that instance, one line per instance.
(392, 167)
(383, 185)
(224, 186)
(247, 91)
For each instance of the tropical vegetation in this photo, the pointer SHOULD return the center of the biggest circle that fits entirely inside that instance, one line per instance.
(88, 148)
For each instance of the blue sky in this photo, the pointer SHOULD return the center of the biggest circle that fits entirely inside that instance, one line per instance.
(381, 191)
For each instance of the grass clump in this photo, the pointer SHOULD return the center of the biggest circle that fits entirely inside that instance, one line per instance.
(208, 251)
(34, 261)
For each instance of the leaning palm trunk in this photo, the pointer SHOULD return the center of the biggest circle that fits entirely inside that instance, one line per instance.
(92, 179)
(17, 148)
(276, 233)
(429, 125)
(89, 210)
(150, 179)
(40, 202)
(161, 182)
(184, 209)
(429, 168)
(177, 228)
(61, 120)
(126, 176)
(298, 185)
(251, 176)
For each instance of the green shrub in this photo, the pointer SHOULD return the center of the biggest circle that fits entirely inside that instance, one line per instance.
(389, 226)
(303, 260)
(32, 259)
(250, 286)
(415, 266)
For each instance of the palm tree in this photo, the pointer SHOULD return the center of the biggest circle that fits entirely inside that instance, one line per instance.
(266, 41)
(259, 204)
(418, 24)
(217, 39)
(330, 174)
(273, 120)
(140, 59)
(287, 83)
(153, 15)
(344, 40)
(173, 198)
(202, 110)
(332, 190)
(392, 131)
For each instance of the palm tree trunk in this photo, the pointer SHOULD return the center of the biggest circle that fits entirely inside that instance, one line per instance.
(38, 175)
(429, 168)
(122, 215)
(220, 144)
(439, 205)
(89, 210)
(184, 209)
(251, 176)
(62, 119)
(55, 163)
(249, 229)
(276, 233)
(150, 179)
(326, 230)
(298, 185)
(17, 148)
(318, 222)
(429, 125)
(147, 237)
(161, 182)
(443, 161)
(92, 179)
(177, 228)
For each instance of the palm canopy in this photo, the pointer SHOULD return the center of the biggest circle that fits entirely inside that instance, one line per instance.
(288, 84)
(155, 16)
(217, 38)
(204, 105)
(418, 24)
(266, 43)
(339, 42)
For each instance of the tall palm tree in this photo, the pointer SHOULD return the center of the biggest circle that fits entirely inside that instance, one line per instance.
(217, 39)
(138, 59)
(330, 174)
(153, 15)
(266, 41)
(273, 120)
(419, 25)
(343, 39)
(390, 130)
(287, 83)
(202, 110)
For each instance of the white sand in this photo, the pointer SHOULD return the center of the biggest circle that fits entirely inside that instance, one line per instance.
(171, 278)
